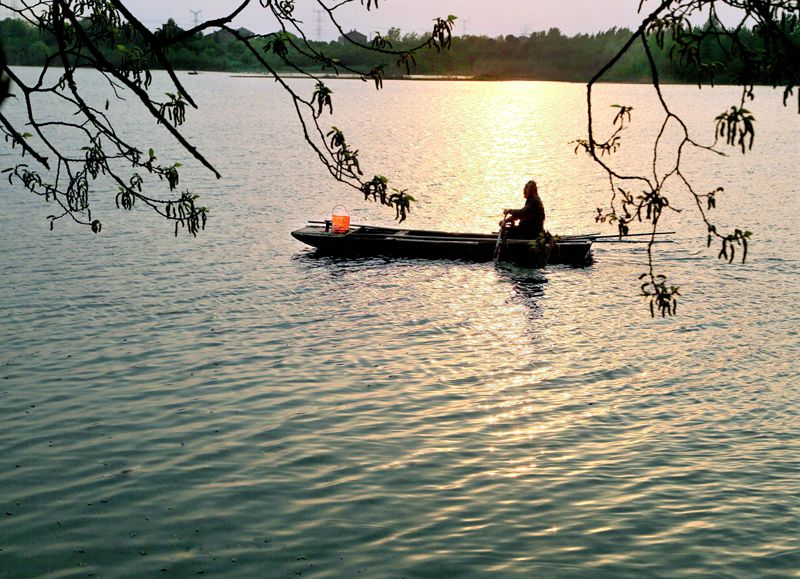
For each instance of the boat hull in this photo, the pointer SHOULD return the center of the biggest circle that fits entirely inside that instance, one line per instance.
(383, 241)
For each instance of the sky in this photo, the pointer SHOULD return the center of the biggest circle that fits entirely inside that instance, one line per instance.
(478, 17)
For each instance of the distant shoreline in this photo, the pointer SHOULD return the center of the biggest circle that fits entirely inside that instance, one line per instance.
(421, 77)
(476, 78)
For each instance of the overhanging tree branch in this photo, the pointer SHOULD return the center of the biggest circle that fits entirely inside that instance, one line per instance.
(106, 36)
(777, 26)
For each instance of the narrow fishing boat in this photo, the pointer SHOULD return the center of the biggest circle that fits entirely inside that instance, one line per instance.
(367, 240)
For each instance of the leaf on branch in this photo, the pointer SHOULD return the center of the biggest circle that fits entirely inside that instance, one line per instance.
(125, 199)
(730, 242)
(345, 159)
(407, 59)
(381, 42)
(322, 98)
(661, 297)
(402, 203)
(134, 65)
(376, 189)
(623, 113)
(737, 126)
(711, 198)
(136, 182)
(77, 194)
(175, 109)
(376, 74)
(96, 161)
(668, 23)
(336, 137)
(171, 175)
(278, 44)
(186, 214)
(613, 143)
(581, 144)
(442, 35)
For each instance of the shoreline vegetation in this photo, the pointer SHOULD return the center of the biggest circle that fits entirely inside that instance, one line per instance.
(543, 56)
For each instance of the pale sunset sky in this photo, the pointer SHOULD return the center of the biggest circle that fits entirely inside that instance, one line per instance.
(478, 17)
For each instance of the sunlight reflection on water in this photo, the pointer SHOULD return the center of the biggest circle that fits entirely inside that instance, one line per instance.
(236, 397)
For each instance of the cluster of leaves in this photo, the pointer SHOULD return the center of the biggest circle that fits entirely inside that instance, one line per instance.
(770, 49)
(82, 32)
(104, 35)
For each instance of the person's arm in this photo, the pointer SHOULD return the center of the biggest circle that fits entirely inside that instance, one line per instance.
(525, 211)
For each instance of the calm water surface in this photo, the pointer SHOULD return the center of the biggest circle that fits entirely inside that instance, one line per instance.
(232, 405)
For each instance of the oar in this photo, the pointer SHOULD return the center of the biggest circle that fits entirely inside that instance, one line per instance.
(595, 237)
(501, 235)
(628, 240)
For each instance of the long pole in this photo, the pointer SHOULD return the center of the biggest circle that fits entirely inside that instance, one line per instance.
(501, 237)
(622, 237)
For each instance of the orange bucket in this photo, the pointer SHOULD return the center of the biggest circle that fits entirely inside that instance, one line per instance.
(340, 219)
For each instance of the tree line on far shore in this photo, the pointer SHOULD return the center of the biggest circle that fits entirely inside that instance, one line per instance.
(546, 55)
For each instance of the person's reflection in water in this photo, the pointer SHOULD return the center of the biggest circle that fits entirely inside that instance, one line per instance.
(528, 287)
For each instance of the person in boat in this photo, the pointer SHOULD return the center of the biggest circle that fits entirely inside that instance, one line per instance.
(528, 221)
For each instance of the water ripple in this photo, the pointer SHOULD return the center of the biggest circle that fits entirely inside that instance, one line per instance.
(237, 406)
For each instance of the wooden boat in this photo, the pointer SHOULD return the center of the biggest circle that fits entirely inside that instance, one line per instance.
(365, 240)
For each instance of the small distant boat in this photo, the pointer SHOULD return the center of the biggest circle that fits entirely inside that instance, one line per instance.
(367, 240)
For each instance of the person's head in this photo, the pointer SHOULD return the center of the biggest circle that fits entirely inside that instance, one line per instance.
(530, 189)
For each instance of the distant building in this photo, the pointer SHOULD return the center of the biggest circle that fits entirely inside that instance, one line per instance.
(353, 35)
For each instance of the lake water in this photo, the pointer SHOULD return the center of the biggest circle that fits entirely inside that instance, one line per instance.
(234, 406)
